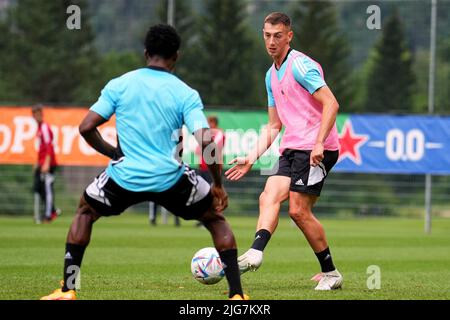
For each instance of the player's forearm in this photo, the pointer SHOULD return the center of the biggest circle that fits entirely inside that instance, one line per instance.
(215, 170)
(96, 141)
(213, 160)
(329, 115)
(267, 137)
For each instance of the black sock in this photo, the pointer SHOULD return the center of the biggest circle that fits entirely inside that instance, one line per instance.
(262, 237)
(72, 264)
(229, 261)
(325, 260)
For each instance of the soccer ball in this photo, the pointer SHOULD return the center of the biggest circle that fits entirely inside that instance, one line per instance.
(206, 266)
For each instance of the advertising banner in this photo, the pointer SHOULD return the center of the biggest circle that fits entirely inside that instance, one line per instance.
(369, 143)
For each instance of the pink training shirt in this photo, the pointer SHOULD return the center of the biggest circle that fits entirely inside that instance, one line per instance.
(299, 112)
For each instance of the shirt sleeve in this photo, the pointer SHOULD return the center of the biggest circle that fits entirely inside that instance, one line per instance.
(193, 115)
(307, 73)
(46, 139)
(107, 102)
(270, 98)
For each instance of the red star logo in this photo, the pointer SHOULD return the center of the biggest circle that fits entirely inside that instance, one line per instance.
(350, 143)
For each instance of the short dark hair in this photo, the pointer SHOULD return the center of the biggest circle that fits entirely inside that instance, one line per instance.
(277, 18)
(162, 40)
(214, 119)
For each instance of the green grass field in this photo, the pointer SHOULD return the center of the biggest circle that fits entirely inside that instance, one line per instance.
(128, 259)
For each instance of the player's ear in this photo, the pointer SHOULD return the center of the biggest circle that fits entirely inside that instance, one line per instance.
(291, 35)
(146, 54)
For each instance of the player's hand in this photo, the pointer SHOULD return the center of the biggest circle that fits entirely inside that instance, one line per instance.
(220, 198)
(241, 168)
(316, 154)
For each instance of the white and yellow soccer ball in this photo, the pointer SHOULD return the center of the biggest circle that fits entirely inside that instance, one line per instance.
(206, 266)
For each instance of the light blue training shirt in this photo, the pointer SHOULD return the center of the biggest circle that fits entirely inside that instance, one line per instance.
(305, 71)
(151, 105)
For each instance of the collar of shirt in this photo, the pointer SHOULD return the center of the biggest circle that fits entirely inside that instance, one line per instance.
(158, 68)
(284, 60)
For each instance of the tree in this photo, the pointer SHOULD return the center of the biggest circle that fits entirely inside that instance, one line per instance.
(443, 77)
(317, 34)
(110, 65)
(120, 25)
(227, 71)
(7, 91)
(45, 61)
(390, 81)
(186, 25)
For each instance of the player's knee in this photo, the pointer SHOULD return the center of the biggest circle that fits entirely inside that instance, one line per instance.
(211, 216)
(265, 199)
(86, 212)
(221, 232)
(299, 214)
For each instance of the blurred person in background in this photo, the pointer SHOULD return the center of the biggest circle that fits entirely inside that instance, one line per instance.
(153, 209)
(44, 172)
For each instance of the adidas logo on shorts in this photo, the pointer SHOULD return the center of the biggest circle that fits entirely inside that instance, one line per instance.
(299, 183)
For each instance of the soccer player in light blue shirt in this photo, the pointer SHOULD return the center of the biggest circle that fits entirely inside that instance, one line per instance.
(151, 106)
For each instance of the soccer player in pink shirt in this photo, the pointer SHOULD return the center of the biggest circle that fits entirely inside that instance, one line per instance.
(299, 100)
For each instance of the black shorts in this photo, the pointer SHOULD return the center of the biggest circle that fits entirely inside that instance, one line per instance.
(189, 198)
(304, 178)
